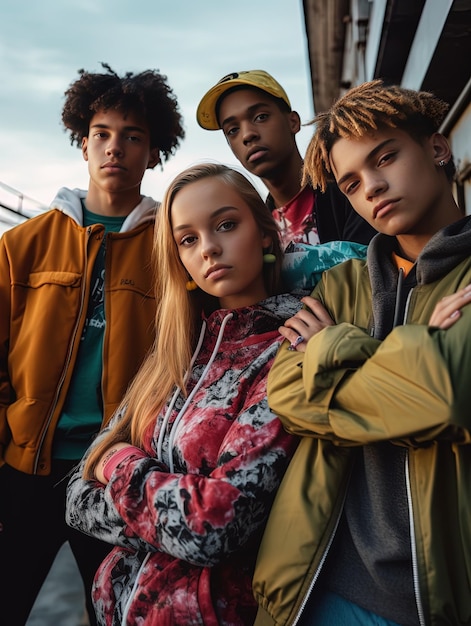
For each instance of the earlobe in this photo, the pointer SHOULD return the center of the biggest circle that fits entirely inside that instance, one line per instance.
(267, 242)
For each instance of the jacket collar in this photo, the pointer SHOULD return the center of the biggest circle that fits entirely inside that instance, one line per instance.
(69, 201)
(263, 317)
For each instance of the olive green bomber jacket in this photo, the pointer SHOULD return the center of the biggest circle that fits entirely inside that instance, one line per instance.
(350, 389)
(45, 273)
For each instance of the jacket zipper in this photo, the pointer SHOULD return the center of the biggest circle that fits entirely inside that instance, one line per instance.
(67, 361)
(322, 561)
(105, 334)
(415, 566)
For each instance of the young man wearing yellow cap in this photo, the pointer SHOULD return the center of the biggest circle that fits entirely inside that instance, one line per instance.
(255, 115)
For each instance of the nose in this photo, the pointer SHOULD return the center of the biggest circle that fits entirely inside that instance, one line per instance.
(114, 147)
(374, 185)
(249, 133)
(209, 247)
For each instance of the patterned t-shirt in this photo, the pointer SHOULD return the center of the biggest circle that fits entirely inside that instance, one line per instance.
(297, 219)
(83, 409)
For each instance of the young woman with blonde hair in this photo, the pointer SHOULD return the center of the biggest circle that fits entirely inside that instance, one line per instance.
(182, 480)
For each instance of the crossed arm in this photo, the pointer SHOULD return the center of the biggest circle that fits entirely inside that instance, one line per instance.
(313, 318)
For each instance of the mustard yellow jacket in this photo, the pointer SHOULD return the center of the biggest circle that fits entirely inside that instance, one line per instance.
(412, 388)
(45, 272)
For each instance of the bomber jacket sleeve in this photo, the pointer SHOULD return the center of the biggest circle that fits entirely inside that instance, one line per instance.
(353, 389)
(6, 391)
(198, 518)
(90, 507)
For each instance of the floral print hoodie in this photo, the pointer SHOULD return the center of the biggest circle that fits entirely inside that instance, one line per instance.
(186, 520)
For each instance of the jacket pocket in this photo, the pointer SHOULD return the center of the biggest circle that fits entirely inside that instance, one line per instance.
(45, 308)
(39, 279)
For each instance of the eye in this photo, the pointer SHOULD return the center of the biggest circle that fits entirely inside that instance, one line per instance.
(350, 187)
(386, 157)
(227, 225)
(100, 134)
(230, 132)
(134, 138)
(261, 117)
(187, 240)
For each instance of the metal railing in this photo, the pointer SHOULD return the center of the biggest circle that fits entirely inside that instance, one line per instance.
(16, 207)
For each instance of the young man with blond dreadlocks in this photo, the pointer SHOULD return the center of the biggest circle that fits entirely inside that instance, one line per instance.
(371, 524)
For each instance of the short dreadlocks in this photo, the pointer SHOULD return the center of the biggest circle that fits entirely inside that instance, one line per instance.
(367, 108)
(147, 94)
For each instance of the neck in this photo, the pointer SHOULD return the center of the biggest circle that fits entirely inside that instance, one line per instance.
(411, 245)
(112, 204)
(284, 183)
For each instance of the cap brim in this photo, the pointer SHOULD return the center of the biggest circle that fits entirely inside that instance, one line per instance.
(206, 111)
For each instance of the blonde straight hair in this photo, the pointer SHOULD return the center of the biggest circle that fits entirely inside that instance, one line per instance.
(178, 314)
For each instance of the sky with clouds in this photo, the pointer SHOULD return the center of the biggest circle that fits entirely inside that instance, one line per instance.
(194, 43)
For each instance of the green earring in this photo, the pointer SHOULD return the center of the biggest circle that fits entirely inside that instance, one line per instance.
(269, 258)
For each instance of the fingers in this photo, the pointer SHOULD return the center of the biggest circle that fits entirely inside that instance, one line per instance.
(297, 341)
(448, 310)
(305, 324)
(449, 321)
(318, 310)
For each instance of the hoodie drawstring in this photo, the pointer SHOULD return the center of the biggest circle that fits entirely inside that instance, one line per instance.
(191, 395)
(177, 393)
(398, 307)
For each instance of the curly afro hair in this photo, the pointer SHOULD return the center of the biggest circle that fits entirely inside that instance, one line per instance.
(364, 109)
(147, 94)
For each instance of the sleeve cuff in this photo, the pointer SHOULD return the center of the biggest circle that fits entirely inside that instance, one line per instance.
(118, 457)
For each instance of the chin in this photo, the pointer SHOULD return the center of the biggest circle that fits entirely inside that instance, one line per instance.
(262, 170)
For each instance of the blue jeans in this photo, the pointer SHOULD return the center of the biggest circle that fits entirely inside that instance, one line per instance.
(333, 610)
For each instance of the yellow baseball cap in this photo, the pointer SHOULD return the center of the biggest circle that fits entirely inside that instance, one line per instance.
(206, 111)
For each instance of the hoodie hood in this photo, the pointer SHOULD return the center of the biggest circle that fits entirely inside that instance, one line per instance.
(246, 322)
(445, 250)
(69, 201)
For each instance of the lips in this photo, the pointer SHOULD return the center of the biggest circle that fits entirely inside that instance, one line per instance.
(111, 165)
(216, 271)
(256, 153)
(383, 207)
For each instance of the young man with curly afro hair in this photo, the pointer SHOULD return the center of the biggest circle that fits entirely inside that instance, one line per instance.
(371, 524)
(76, 320)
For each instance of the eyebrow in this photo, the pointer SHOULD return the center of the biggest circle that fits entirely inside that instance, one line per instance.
(215, 213)
(251, 110)
(138, 129)
(369, 157)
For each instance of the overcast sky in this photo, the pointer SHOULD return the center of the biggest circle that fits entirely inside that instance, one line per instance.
(193, 42)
